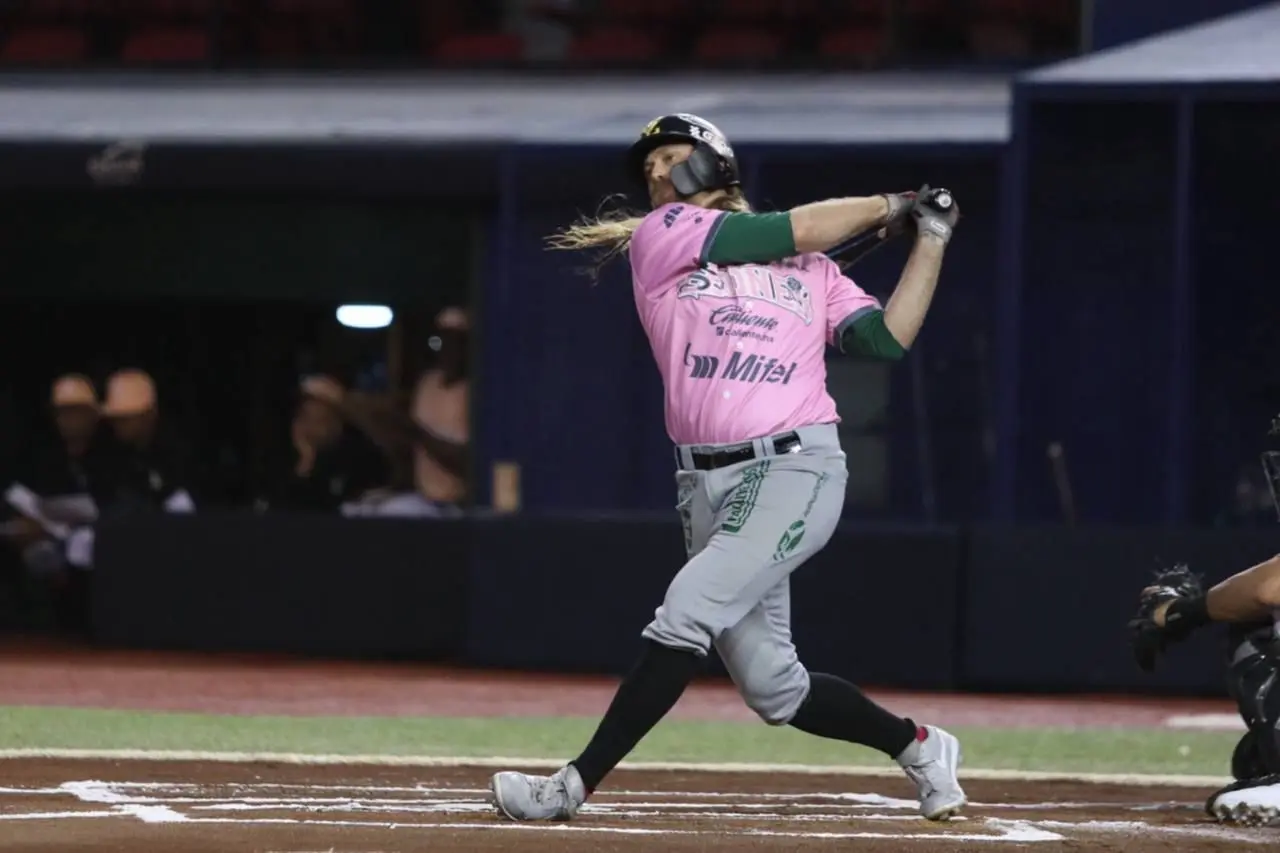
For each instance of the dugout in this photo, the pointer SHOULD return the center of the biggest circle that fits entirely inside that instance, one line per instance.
(1135, 281)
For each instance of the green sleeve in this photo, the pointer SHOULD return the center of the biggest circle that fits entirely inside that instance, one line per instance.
(867, 335)
(749, 238)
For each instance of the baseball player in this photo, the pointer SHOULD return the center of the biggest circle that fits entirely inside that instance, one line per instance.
(739, 307)
(1175, 605)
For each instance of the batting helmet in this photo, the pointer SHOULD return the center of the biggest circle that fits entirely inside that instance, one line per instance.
(711, 166)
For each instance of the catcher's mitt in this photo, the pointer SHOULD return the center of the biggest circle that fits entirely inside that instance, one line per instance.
(1149, 639)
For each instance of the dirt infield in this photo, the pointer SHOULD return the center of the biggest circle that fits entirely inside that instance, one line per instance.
(145, 806)
(240, 684)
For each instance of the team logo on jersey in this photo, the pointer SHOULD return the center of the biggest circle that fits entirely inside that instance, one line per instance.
(749, 281)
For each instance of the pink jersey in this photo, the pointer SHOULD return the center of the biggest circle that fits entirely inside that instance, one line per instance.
(740, 348)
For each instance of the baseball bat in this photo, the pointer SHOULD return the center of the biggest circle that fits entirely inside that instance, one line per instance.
(1058, 460)
(861, 245)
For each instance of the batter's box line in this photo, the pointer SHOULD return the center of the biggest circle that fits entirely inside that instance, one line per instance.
(452, 762)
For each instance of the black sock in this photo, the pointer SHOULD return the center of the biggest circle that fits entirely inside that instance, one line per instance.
(645, 696)
(837, 709)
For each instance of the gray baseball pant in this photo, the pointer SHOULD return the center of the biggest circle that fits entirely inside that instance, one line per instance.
(747, 527)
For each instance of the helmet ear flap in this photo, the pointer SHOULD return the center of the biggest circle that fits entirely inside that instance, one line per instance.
(702, 170)
(696, 173)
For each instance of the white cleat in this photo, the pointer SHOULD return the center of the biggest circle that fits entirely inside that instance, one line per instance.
(932, 764)
(1254, 802)
(522, 797)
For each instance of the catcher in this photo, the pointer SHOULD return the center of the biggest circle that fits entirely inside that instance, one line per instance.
(1175, 605)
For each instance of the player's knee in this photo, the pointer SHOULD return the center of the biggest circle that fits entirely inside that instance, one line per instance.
(776, 693)
(677, 628)
(684, 621)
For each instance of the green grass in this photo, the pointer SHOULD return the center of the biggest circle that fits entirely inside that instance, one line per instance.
(1060, 750)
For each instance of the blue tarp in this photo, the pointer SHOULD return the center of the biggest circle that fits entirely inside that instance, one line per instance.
(1244, 47)
(1120, 224)
(809, 108)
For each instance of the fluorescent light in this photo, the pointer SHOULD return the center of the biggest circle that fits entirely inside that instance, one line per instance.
(365, 316)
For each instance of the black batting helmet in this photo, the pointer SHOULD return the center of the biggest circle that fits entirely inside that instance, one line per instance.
(711, 166)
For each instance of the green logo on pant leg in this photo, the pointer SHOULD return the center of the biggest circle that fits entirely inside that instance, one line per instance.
(792, 535)
(790, 539)
(743, 500)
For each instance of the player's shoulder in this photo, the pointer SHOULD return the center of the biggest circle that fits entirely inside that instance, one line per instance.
(676, 216)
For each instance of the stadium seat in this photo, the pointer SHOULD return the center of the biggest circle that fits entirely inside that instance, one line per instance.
(438, 20)
(168, 10)
(614, 44)
(927, 8)
(736, 13)
(855, 44)
(645, 12)
(1000, 10)
(51, 11)
(166, 44)
(738, 46)
(279, 39)
(998, 40)
(862, 11)
(1059, 12)
(480, 49)
(39, 45)
(308, 7)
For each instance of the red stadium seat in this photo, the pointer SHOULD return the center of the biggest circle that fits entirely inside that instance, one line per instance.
(480, 48)
(37, 45)
(166, 44)
(279, 39)
(648, 12)
(855, 44)
(740, 12)
(744, 13)
(927, 8)
(614, 44)
(168, 10)
(309, 8)
(54, 11)
(861, 10)
(438, 20)
(999, 41)
(738, 46)
(1059, 12)
(1002, 10)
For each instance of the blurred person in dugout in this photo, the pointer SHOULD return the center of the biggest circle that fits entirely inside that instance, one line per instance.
(151, 468)
(331, 463)
(434, 433)
(54, 494)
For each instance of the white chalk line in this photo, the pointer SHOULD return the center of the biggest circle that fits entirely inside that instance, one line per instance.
(417, 792)
(425, 798)
(157, 810)
(1206, 722)
(976, 774)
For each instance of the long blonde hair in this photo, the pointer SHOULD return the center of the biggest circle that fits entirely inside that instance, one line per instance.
(610, 231)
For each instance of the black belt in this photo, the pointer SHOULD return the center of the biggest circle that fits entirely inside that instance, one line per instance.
(788, 442)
